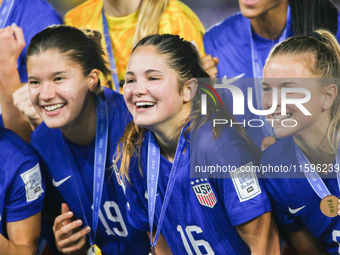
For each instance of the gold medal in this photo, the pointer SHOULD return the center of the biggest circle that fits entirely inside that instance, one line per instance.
(329, 206)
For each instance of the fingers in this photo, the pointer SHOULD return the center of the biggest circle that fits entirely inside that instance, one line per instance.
(69, 240)
(65, 209)
(70, 232)
(21, 94)
(68, 237)
(210, 65)
(21, 100)
(19, 36)
(58, 222)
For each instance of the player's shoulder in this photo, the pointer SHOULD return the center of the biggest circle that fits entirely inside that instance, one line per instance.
(41, 133)
(279, 151)
(10, 143)
(226, 136)
(42, 11)
(231, 24)
(114, 98)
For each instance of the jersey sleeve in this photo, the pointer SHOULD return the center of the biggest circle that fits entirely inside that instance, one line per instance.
(179, 19)
(24, 197)
(243, 193)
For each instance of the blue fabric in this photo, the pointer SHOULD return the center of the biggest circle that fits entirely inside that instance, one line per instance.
(16, 158)
(118, 236)
(294, 192)
(230, 42)
(213, 227)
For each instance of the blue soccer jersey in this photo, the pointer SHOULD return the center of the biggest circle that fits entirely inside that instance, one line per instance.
(202, 212)
(21, 183)
(230, 41)
(114, 234)
(294, 202)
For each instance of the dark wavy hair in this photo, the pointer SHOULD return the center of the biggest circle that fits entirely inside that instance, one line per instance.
(82, 46)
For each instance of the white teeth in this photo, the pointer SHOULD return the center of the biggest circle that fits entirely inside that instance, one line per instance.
(139, 104)
(279, 117)
(52, 108)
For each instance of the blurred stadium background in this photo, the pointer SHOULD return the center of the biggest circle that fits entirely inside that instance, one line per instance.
(209, 11)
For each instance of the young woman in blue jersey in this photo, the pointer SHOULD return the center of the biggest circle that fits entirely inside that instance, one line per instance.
(242, 42)
(302, 198)
(195, 215)
(76, 142)
(21, 195)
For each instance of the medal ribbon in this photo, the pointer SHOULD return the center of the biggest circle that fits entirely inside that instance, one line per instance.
(258, 71)
(5, 10)
(152, 180)
(110, 53)
(99, 165)
(99, 160)
(312, 176)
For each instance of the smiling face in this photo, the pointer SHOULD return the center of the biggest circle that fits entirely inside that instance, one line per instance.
(255, 8)
(151, 91)
(58, 90)
(285, 71)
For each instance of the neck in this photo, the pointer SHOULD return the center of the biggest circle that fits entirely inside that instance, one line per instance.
(168, 142)
(120, 8)
(271, 24)
(83, 129)
(316, 148)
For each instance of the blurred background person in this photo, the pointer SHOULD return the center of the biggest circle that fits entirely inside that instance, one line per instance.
(124, 23)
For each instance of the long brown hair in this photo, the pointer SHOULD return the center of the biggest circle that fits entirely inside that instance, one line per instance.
(183, 57)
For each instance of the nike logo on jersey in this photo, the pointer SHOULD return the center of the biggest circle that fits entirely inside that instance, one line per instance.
(225, 80)
(146, 194)
(57, 184)
(293, 211)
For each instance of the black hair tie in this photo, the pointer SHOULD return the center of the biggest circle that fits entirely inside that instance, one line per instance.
(317, 36)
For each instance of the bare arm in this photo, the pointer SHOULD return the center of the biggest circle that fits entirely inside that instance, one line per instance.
(162, 247)
(12, 42)
(23, 237)
(306, 244)
(261, 235)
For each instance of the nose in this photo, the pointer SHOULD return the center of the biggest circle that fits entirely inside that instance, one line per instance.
(47, 92)
(140, 88)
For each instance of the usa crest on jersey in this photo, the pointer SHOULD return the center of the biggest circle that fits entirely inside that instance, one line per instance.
(204, 192)
(119, 179)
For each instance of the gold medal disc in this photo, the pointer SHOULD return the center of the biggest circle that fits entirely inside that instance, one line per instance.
(329, 206)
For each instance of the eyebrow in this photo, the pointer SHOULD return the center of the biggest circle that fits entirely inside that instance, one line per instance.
(31, 77)
(152, 70)
(284, 84)
(146, 72)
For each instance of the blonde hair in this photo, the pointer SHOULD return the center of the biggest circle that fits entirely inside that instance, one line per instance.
(325, 51)
(149, 17)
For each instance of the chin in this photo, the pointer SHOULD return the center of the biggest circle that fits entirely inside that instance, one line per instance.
(283, 132)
